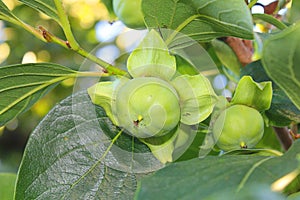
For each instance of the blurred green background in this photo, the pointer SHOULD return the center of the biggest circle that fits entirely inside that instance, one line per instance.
(90, 23)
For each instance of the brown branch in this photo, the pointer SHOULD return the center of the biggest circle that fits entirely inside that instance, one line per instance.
(271, 8)
(242, 48)
(284, 137)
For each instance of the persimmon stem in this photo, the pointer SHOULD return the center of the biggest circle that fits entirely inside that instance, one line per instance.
(63, 18)
(49, 37)
(252, 3)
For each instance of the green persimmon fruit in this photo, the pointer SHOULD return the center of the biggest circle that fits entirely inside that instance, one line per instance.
(130, 13)
(147, 106)
(238, 127)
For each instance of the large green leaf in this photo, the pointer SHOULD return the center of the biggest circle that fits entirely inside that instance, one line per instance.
(252, 192)
(282, 111)
(200, 19)
(68, 156)
(23, 84)
(45, 6)
(7, 186)
(281, 58)
(200, 178)
(295, 11)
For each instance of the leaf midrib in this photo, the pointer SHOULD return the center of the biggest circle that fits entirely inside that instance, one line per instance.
(28, 94)
(33, 74)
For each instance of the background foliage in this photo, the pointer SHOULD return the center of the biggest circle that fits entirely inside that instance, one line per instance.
(17, 45)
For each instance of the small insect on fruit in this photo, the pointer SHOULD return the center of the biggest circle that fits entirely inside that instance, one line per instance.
(139, 119)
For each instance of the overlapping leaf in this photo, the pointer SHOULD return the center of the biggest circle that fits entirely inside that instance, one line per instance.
(200, 178)
(270, 19)
(202, 20)
(23, 84)
(45, 6)
(227, 56)
(281, 58)
(69, 152)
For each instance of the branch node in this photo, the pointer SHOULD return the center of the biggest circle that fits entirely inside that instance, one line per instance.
(68, 44)
(46, 34)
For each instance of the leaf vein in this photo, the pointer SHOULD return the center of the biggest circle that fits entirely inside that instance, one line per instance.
(250, 171)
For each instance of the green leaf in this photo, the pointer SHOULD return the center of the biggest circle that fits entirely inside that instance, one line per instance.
(253, 191)
(227, 56)
(185, 67)
(167, 14)
(72, 159)
(7, 15)
(282, 111)
(7, 186)
(23, 84)
(229, 17)
(162, 147)
(271, 20)
(294, 196)
(280, 60)
(200, 19)
(45, 6)
(200, 178)
(250, 93)
(295, 11)
(197, 98)
(170, 147)
(152, 58)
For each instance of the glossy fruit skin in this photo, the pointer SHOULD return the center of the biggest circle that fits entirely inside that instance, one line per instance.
(238, 127)
(130, 13)
(147, 106)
